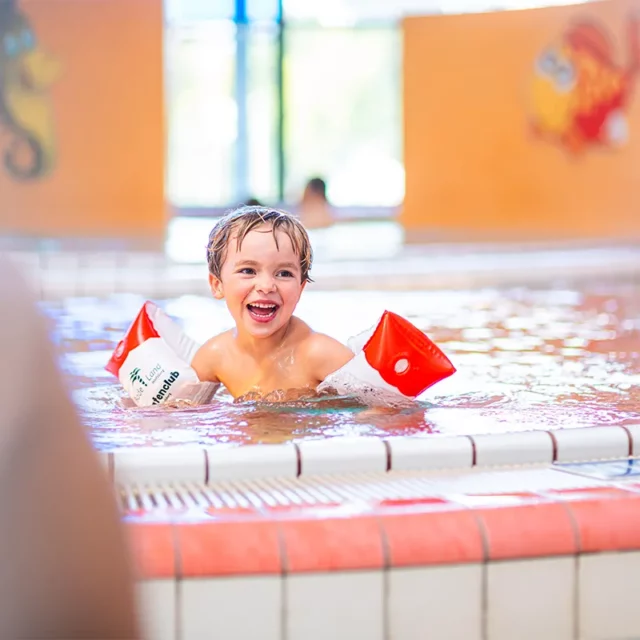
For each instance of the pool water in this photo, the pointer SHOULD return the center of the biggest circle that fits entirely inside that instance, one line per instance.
(559, 357)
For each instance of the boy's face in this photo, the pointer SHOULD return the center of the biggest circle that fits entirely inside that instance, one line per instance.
(261, 282)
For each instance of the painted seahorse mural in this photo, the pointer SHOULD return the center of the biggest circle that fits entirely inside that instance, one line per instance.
(26, 75)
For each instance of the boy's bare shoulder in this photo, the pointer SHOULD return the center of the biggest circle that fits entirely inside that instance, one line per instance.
(323, 353)
(221, 341)
(209, 354)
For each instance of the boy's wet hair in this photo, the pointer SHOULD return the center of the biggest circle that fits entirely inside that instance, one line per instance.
(241, 221)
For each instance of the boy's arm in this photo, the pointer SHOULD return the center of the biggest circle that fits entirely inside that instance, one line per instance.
(326, 355)
(205, 360)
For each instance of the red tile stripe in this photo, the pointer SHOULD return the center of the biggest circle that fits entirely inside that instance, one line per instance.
(607, 525)
(153, 547)
(229, 548)
(528, 531)
(440, 537)
(332, 544)
(430, 534)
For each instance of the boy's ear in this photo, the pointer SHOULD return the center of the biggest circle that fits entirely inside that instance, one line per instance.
(216, 287)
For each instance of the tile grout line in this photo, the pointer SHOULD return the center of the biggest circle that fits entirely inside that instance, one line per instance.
(576, 568)
(554, 441)
(284, 573)
(386, 581)
(631, 443)
(296, 447)
(484, 596)
(206, 467)
(474, 451)
(387, 446)
(178, 582)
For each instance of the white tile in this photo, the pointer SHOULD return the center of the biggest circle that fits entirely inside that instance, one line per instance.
(99, 282)
(524, 447)
(252, 461)
(634, 430)
(531, 599)
(608, 598)
(347, 455)
(157, 609)
(339, 606)
(435, 602)
(63, 261)
(103, 260)
(170, 464)
(434, 452)
(591, 443)
(54, 284)
(234, 608)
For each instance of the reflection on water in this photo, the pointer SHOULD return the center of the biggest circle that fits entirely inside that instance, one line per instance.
(526, 359)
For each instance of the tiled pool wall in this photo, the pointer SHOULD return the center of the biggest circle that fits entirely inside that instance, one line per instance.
(143, 465)
(399, 539)
(493, 555)
(62, 274)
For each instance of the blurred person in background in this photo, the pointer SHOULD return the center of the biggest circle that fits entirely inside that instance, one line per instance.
(64, 566)
(314, 208)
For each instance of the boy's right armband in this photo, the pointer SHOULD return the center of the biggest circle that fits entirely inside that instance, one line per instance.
(153, 362)
(393, 361)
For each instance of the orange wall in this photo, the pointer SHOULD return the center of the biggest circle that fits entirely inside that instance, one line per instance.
(474, 167)
(107, 173)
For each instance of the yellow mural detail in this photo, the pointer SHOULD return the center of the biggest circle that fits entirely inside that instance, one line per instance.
(579, 92)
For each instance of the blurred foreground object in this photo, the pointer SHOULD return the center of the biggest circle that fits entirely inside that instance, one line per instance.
(65, 569)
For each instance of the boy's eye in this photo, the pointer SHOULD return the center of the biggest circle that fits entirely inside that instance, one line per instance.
(247, 271)
(285, 274)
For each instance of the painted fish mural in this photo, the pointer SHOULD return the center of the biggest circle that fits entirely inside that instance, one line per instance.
(26, 75)
(580, 94)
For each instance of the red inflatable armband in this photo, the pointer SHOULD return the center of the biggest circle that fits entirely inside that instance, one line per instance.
(405, 357)
(141, 329)
(392, 362)
(153, 361)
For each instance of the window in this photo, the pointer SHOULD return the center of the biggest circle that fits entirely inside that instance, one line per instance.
(344, 113)
(201, 113)
(341, 98)
(262, 111)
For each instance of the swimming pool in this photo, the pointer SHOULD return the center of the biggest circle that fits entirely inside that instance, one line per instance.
(559, 356)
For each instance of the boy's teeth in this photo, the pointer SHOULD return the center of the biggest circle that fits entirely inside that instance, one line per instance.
(264, 310)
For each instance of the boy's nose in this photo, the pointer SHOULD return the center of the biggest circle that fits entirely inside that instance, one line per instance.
(266, 284)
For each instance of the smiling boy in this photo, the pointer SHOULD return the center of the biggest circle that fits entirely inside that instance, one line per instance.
(259, 261)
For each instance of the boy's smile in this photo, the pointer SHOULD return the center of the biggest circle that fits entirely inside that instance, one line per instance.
(260, 281)
(263, 310)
